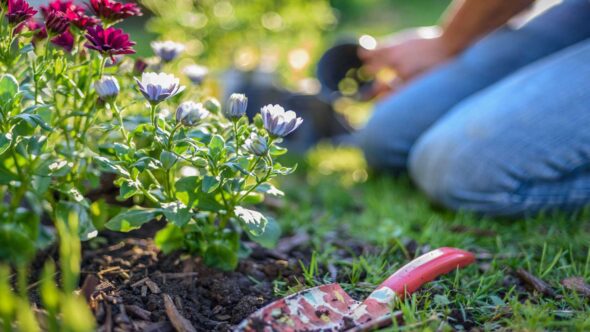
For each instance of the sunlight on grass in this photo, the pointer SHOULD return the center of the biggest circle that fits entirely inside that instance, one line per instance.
(394, 217)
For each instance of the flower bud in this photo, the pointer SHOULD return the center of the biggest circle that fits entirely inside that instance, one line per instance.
(257, 145)
(139, 66)
(107, 88)
(56, 22)
(237, 106)
(190, 113)
(212, 105)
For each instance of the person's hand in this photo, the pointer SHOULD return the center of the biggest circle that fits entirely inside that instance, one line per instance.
(408, 54)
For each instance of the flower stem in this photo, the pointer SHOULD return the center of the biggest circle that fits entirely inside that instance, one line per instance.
(103, 63)
(153, 109)
(120, 119)
(171, 137)
(258, 181)
(236, 136)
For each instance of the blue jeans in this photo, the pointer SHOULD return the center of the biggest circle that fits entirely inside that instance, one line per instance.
(504, 128)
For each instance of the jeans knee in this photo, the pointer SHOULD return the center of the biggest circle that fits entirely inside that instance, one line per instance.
(461, 176)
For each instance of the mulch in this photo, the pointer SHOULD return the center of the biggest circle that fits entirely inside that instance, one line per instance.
(131, 286)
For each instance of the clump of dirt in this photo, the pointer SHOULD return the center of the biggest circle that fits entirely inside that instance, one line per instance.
(128, 281)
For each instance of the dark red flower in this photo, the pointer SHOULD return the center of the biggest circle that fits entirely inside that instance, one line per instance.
(112, 11)
(139, 66)
(65, 41)
(74, 13)
(108, 41)
(41, 33)
(81, 20)
(61, 6)
(19, 11)
(56, 22)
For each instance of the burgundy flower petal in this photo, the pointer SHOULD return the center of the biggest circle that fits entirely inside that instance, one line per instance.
(111, 11)
(56, 22)
(65, 41)
(19, 11)
(108, 41)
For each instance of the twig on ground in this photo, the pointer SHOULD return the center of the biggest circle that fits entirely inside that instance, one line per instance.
(108, 323)
(138, 312)
(139, 283)
(536, 283)
(180, 323)
(152, 286)
(89, 286)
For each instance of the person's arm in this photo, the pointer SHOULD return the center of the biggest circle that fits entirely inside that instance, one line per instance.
(465, 21)
(410, 54)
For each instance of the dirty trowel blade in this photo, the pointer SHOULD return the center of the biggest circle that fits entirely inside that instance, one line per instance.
(325, 308)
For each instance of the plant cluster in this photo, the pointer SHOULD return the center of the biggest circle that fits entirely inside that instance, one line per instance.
(76, 111)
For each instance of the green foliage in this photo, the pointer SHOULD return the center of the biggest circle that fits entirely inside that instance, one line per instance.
(62, 309)
(69, 119)
(204, 211)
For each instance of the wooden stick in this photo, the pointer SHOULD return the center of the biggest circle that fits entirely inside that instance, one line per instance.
(180, 323)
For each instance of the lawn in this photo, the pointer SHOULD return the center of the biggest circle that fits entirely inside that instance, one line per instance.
(390, 222)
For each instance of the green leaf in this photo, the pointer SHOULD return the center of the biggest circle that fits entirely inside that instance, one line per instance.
(208, 202)
(86, 229)
(220, 255)
(254, 221)
(132, 219)
(99, 212)
(176, 213)
(16, 246)
(198, 162)
(121, 150)
(144, 163)
(253, 198)
(210, 184)
(8, 87)
(29, 221)
(278, 169)
(33, 120)
(59, 168)
(168, 159)
(269, 189)
(5, 141)
(128, 189)
(217, 147)
(110, 166)
(169, 239)
(270, 235)
(35, 144)
(186, 190)
(276, 150)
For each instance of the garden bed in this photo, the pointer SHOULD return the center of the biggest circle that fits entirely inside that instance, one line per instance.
(128, 280)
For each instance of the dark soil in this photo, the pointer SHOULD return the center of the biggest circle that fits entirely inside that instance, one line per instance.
(127, 278)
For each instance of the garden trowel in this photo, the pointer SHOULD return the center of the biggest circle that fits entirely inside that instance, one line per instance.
(329, 308)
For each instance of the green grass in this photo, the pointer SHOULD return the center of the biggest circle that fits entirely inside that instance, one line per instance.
(330, 199)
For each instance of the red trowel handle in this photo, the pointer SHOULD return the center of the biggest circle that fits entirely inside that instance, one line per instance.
(424, 269)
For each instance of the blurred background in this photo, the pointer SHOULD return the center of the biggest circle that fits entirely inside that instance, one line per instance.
(269, 50)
